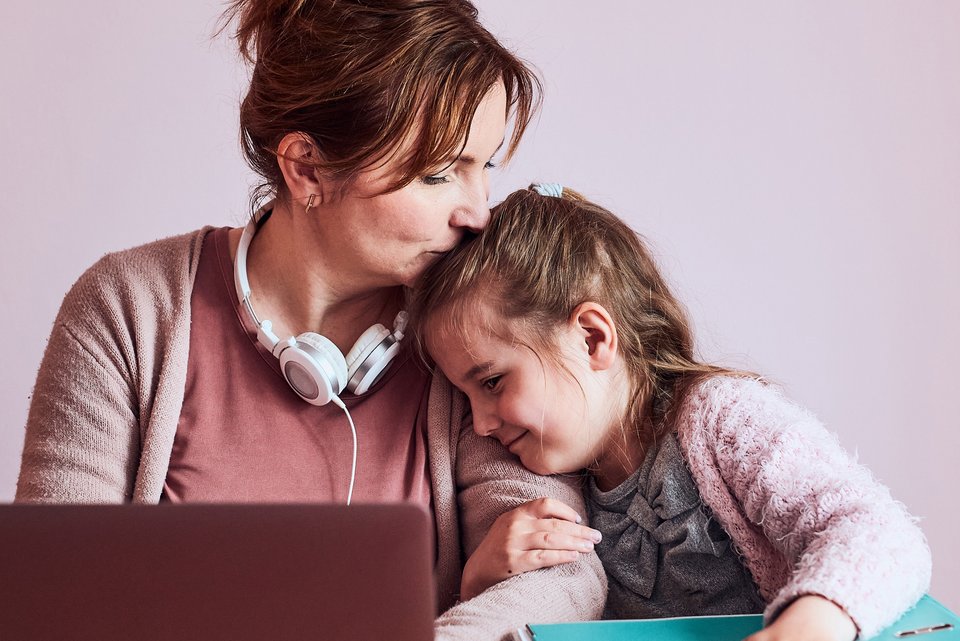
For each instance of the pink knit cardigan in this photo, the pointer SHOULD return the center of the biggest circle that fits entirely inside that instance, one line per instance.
(108, 397)
(805, 517)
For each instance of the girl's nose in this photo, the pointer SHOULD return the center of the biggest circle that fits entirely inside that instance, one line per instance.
(484, 423)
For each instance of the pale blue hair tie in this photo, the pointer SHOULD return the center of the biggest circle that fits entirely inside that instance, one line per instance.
(548, 189)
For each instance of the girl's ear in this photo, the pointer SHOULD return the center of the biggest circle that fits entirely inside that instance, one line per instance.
(598, 333)
(297, 156)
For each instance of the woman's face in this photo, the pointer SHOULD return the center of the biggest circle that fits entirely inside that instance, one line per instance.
(390, 239)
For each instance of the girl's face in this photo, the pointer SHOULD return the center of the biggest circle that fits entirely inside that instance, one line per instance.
(556, 412)
(390, 239)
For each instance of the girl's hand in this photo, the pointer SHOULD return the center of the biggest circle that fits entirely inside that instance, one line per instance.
(809, 618)
(538, 534)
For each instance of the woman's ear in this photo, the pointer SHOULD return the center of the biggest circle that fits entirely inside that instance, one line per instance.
(298, 156)
(598, 333)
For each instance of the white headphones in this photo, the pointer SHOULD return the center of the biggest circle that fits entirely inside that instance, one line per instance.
(311, 363)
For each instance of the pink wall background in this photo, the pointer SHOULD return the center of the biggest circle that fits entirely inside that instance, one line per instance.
(797, 167)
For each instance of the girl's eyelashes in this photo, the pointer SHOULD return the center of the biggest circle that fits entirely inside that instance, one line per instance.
(490, 165)
(492, 384)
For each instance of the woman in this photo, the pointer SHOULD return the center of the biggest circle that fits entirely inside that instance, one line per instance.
(168, 374)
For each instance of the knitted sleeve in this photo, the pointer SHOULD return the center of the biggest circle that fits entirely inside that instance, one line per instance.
(82, 436)
(490, 482)
(789, 482)
(110, 386)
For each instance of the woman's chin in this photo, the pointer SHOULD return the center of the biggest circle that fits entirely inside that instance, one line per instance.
(415, 270)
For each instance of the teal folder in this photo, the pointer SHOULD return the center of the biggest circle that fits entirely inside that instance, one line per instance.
(928, 620)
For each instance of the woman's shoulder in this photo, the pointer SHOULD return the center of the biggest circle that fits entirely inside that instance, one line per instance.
(161, 259)
(155, 275)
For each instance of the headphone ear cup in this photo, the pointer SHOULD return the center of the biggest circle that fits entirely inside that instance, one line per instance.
(367, 342)
(369, 357)
(314, 368)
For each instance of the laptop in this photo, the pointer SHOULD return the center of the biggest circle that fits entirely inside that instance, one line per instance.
(216, 572)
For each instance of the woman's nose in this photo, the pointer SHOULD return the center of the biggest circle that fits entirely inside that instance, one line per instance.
(477, 219)
(473, 212)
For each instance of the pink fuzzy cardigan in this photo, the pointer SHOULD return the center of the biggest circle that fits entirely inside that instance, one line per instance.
(805, 517)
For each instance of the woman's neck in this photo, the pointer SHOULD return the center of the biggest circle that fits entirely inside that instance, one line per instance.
(292, 285)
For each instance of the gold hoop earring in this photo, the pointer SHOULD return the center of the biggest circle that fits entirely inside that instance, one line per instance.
(310, 202)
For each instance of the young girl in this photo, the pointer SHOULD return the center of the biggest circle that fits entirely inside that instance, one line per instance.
(712, 493)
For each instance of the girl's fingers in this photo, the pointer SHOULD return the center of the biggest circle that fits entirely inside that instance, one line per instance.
(536, 559)
(556, 541)
(556, 526)
(552, 515)
(551, 509)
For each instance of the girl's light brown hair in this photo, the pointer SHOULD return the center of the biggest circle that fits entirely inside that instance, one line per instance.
(538, 259)
(358, 78)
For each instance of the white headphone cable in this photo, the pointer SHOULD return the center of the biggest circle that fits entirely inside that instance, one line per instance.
(353, 430)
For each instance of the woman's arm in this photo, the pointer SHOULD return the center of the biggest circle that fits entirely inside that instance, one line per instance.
(839, 529)
(108, 395)
(82, 436)
(491, 482)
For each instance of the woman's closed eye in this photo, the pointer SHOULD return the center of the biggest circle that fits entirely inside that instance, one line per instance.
(434, 180)
(439, 179)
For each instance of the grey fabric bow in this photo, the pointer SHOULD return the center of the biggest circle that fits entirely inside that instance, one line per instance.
(641, 521)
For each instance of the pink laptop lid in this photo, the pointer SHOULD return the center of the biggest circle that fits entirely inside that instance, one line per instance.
(216, 572)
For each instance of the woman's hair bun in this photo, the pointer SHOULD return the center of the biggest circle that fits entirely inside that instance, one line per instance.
(355, 78)
(258, 22)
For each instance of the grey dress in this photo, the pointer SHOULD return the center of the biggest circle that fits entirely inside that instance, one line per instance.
(663, 553)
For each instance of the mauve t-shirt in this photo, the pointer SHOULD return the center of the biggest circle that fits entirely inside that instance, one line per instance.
(245, 436)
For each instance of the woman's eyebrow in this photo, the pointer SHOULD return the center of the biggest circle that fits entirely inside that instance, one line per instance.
(467, 159)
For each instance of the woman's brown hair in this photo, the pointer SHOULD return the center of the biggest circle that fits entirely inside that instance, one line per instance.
(358, 77)
(542, 256)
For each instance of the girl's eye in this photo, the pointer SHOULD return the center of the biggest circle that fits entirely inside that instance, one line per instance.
(490, 165)
(492, 383)
(434, 180)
